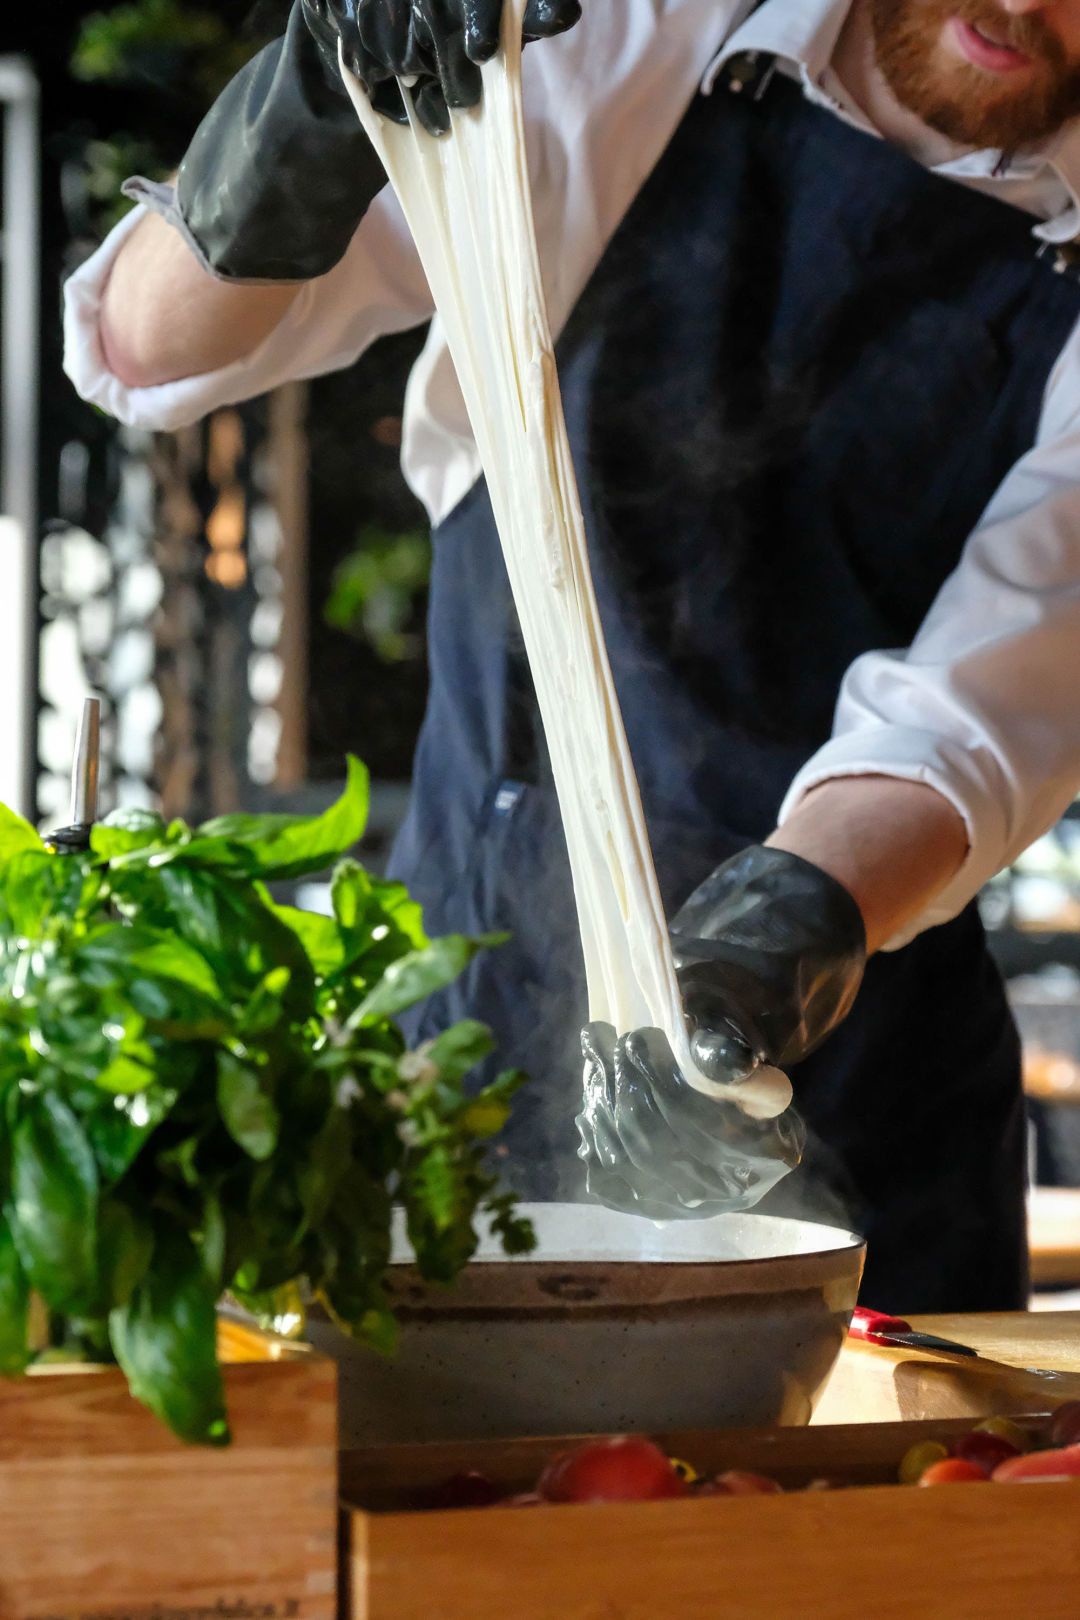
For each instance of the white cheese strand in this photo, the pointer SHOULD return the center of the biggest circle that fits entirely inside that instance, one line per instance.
(467, 201)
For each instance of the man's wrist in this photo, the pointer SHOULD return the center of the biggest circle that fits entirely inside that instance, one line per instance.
(894, 844)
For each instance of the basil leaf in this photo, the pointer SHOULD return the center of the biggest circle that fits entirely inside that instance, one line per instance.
(460, 1048)
(326, 1162)
(248, 1113)
(484, 1117)
(485, 1114)
(117, 1127)
(320, 936)
(35, 886)
(516, 1234)
(290, 846)
(125, 1075)
(14, 1305)
(16, 834)
(126, 829)
(54, 1187)
(265, 1011)
(418, 973)
(378, 1329)
(147, 953)
(125, 1244)
(435, 1179)
(219, 853)
(393, 900)
(350, 893)
(214, 1237)
(165, 1339)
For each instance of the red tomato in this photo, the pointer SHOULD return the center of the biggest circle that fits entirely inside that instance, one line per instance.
(735, 1482)
(1065, 1425)
(985, 1450)
(954, 1471)
(626, 1469)
(1062, 1464)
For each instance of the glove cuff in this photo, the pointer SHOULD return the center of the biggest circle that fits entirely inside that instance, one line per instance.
(775, 946)
(279, 173)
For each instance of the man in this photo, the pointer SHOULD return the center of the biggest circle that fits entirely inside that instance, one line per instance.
(823, 386)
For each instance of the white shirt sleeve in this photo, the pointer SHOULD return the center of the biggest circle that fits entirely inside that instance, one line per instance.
(378, 287)
(984, 705)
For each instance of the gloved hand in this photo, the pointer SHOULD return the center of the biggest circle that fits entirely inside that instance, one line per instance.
(436, 44)
(654, 1146)
(280, 173)
(770, 952)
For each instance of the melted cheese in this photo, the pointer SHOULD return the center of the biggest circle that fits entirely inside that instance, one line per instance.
(467, 202)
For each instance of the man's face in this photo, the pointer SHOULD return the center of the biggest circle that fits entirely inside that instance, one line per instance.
(984, 73)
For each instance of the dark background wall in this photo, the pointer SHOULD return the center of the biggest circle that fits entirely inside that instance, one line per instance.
(358, 699)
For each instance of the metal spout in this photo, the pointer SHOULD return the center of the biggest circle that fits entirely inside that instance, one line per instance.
(84, 771)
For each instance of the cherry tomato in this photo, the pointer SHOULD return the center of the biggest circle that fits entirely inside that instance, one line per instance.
(1061, 1464)
(685, 1470)
(1065, 1425)
(1008, 1430)
(953, 1471)
(627, 1469)
(919, 1458)
(736, 1482)
(985, 1450)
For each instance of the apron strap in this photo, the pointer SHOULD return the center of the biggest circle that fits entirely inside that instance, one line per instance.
(751, 73)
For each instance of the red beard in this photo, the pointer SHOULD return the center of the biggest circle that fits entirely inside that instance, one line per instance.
(961, 101)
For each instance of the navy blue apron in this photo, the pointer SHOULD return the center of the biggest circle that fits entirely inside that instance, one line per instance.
(794, 382)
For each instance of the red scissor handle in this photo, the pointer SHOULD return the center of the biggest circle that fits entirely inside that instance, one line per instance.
(866, 1324)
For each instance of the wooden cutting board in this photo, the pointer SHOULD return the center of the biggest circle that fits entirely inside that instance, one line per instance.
(875, 1384)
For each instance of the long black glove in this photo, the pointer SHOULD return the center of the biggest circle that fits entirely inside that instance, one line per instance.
(770, 953)
(280, 173)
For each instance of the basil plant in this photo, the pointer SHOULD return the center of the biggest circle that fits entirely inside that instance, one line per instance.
(204, 1091)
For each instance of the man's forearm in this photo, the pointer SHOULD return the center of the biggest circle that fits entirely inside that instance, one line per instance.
(163, 317)
(893, 844)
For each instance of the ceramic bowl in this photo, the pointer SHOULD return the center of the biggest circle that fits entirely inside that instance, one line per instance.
(612, 1324)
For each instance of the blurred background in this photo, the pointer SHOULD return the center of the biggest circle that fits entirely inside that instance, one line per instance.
(173, 573)
(248, 596)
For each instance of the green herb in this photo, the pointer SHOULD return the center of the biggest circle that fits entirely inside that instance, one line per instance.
(202, 1090)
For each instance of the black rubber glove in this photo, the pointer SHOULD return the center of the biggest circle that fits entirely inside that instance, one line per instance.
(279, 173)
(770, 953)
(437, 44)
(654, 1146)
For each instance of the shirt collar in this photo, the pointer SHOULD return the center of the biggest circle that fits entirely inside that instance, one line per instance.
(805, 33)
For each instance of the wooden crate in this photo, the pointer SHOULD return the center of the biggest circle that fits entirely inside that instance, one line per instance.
(876, 1551)
(105, 1515)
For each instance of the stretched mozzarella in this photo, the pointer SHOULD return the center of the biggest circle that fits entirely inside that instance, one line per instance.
(467, 201)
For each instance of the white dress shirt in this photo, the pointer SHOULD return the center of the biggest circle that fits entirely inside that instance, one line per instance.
(985, 704)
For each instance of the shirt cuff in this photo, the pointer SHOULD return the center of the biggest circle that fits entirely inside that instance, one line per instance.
(912, 755)
(166, 406)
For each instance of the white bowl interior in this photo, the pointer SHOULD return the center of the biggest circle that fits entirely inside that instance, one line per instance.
(569, 1233)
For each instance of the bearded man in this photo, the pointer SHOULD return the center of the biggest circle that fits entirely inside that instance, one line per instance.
(810, 265)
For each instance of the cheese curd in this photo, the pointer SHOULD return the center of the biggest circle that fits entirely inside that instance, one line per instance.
(467, 202)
